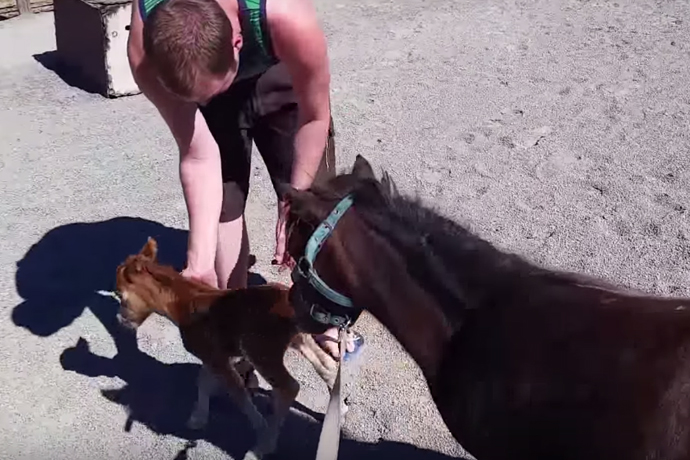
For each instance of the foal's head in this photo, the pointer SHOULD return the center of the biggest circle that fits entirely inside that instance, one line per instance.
(138, 291)
(146, 287)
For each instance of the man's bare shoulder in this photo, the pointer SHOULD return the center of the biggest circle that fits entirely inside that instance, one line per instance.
(296, 32)
(292, 13)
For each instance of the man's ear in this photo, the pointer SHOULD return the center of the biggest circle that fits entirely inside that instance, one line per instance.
(237, 42)
(150, 249)
(362, 169)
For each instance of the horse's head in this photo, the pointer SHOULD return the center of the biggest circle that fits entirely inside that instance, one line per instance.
(321, 282)
(138, 291)
(359, 244)
(308, 208)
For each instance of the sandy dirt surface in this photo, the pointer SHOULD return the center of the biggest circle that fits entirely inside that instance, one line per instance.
(558, 130)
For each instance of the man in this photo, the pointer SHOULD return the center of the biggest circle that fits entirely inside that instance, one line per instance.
(221, 73)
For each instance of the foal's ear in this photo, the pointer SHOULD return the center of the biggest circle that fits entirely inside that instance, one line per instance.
(150, 249)
(362, 169)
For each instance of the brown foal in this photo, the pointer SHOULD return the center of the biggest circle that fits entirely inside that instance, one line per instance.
(224, 329)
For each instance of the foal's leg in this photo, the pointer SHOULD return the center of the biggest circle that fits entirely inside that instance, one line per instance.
(246, 370)
(241, 397)
(207, 384)
(268, 359)
(227, 373)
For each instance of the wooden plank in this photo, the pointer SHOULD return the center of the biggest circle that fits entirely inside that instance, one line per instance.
(24, 6)
(9, 8)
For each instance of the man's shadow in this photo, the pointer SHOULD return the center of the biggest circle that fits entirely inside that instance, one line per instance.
(60, 275)
(58, 278)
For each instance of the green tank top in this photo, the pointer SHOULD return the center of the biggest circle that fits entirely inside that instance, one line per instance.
(256, 55)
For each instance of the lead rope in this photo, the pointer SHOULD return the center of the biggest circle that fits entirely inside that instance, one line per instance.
(329, 440)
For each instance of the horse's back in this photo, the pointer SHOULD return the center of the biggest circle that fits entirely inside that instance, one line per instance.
(560, 379)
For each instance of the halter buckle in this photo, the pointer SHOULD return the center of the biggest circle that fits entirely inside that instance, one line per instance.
(325, 317)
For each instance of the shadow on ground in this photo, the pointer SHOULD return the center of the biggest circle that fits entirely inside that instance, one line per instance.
(161, 397)
(67, 73)
(58, 278)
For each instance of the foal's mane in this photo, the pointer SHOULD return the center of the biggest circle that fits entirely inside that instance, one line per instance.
(443, 256)
(168, 277)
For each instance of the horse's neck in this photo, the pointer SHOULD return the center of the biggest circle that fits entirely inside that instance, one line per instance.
(403, 307)
(476, 272)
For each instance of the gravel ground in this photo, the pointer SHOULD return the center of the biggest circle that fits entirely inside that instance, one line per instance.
(558, 130)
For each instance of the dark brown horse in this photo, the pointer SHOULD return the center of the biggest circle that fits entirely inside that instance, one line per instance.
(523, 362)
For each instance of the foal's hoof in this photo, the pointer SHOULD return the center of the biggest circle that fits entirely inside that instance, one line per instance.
(251, 455)
(197, 421)
(251, 382)
(258, 453)
(265, 446)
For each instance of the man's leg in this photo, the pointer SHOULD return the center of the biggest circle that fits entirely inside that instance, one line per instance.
(274, 134)
(229, 121)
(232, 259)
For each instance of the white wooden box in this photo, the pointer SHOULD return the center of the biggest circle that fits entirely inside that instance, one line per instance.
(91, 38)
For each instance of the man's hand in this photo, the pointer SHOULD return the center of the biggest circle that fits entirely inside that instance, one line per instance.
(205, 276)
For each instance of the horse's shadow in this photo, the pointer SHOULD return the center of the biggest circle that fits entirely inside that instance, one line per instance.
(58, 278)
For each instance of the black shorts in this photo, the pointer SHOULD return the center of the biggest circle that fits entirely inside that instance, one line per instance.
(263, 109)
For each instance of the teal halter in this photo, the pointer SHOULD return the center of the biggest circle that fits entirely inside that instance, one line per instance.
(305, 267)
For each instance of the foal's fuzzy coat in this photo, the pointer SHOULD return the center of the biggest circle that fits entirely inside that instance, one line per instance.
(222, 328)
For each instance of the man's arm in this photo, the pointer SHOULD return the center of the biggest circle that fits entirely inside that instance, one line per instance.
(300, 43)
(200, 170)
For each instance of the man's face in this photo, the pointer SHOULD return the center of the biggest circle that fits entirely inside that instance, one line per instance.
(207, 87)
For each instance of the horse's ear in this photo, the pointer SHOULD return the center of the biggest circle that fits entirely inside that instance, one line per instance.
(388, 185)
(362, 169)
(150, 249)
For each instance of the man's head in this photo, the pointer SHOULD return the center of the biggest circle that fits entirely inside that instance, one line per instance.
(191, 45)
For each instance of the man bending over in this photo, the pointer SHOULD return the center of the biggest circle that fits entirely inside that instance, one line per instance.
(223, 73)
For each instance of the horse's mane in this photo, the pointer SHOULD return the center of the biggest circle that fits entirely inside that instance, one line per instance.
(443, 255)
